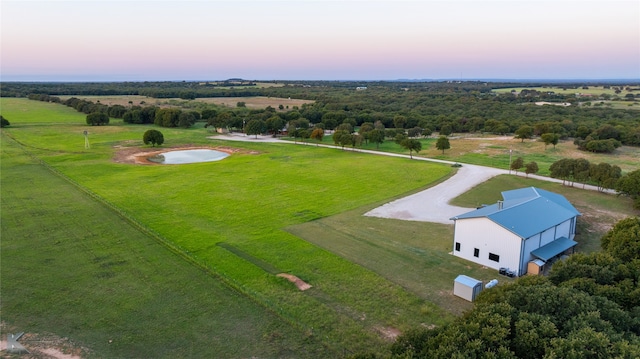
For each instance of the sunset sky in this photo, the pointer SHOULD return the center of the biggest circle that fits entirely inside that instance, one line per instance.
(318, 40)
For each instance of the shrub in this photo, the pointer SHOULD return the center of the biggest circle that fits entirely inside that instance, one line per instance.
(4, 122)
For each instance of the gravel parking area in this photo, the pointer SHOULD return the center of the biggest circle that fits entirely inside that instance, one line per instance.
(432, 204)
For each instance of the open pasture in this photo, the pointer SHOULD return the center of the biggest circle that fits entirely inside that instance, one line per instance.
(123, 100)
(588, 96)
(256, 102)
(493, 151)
(265, 210)
(241, 84)
(73, 268)
(565, 90)
(228, 217)
(252, 102)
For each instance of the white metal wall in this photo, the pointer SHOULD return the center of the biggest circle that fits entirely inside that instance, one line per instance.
(540, 239)
(564, 230)
(530, 245)
(488, 237)
(547, 236)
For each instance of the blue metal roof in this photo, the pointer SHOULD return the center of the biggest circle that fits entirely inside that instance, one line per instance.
(554, 248)
(526, 211)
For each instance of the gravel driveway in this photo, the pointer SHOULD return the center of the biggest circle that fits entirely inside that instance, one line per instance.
(430, 205)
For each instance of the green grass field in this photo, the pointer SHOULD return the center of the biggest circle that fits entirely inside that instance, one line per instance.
(587, 96)
(73, 267)
(590, 90)
(244, 202)
(149, 240)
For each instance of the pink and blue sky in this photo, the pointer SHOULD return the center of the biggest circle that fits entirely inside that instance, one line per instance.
(116, 40)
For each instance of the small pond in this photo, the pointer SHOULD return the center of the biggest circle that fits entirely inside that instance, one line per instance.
(188, 156)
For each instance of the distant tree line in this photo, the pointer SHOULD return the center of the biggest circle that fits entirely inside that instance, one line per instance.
(443, 107)
(603, 175)
(44, 98)
(571, 170)
(88, 107)
(529, 168)
(629, 185)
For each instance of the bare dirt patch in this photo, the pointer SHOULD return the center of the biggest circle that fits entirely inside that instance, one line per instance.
(41, 346)
(302, 285)
(139, 155)
(388, 333)
(601, 221)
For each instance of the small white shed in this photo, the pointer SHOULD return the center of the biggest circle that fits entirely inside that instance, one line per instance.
(466, 287)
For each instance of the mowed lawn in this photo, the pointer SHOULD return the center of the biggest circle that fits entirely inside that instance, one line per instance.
(415, 255)
(229, 216)
(73, 268)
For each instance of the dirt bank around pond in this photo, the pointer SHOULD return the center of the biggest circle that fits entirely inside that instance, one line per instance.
(140, 155)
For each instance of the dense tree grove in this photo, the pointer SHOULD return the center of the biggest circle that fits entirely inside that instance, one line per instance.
(571, 170)
(139, 115)
(444, 107)
(588, 307)
(629, 185)
(97, 119)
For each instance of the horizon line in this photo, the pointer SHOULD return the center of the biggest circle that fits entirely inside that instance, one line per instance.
(493, 80)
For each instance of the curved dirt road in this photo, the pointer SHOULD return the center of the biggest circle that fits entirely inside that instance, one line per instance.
(432, 204)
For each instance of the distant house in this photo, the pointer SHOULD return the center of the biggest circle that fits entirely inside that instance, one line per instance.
(361, 88)
(529, 224)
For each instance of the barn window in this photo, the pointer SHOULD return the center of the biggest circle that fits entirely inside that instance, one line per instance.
(476, 252)
(457, 246)
(494, 257)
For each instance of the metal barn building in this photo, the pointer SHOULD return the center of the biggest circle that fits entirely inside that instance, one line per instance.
(528, 224)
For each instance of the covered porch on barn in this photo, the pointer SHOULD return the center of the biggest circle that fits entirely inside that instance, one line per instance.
(549, 253)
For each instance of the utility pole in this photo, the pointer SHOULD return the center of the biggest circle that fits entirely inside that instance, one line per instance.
(510, 152)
